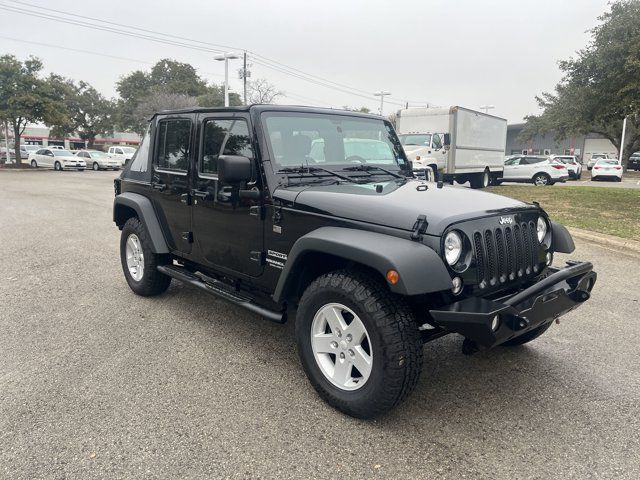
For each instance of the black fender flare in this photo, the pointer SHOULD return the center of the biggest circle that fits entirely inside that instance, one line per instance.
(421, 270)
(561, 239)
(147, 215)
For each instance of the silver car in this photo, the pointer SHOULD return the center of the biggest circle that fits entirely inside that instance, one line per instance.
(98, 160)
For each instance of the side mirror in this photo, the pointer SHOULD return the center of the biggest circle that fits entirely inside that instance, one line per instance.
(234, 169)
(447, 139)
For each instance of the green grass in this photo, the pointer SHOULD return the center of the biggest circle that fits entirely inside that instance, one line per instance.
(614, 211)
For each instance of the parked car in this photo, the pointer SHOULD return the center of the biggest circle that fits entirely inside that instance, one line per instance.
(634, 162)
(98, 160)
(122, 153)
(57, 159)
(607, 169)
(594, 158)
(534, 169)
(25, 150)
(574, 167)
(55, 147)
(372, 261)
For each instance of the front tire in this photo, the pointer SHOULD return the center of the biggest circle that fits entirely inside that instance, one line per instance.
(358, 343)
(34, 164)
(139, 263)
(95, 166)
(57, 166)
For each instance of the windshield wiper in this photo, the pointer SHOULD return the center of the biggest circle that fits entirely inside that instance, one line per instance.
(311, 170)
(368, 168)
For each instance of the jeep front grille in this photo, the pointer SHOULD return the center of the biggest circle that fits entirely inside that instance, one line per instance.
(505, 253)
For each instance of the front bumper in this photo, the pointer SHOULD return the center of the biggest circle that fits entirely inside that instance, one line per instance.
(559, 292)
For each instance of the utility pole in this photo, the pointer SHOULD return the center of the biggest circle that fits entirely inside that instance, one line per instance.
(624, 131)
(6, 140)
(226, 57)
(381, 94)
(244, 76)
(486, 108)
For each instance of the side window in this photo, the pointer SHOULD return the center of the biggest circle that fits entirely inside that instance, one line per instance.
(224, 137)
(173, 144)
(513, 161)
(436, 142)
(40, 152)
(119, 151)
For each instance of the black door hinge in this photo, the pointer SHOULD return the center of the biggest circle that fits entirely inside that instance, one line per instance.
(257, 211)
(187, 236)
(419, 228)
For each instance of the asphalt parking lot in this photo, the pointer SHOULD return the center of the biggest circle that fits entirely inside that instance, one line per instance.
(96, 382)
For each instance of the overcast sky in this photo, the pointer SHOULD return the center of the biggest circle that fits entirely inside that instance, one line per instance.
(465, 52)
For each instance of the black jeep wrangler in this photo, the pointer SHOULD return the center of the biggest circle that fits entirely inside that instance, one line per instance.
(315, 213)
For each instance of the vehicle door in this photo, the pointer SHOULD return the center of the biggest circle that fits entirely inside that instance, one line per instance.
(534, 165)
(172, 155)
(45, 158)
(228, 229)
(511, 168)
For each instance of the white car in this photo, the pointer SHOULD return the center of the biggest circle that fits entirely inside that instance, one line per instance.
(533, 169)
(98, 160)
(607, 168)
(573, 165)
(57, 159)
(594, 158)
(122, 153)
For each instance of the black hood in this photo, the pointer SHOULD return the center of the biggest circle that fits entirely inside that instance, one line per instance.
(397, 204)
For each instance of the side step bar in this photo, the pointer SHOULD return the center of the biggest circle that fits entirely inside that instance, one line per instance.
(219, 289)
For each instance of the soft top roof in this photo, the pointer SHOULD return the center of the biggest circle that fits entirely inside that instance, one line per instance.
(267, 108)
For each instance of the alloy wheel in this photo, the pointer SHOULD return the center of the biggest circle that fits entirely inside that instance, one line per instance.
(135, 257)
(341, 346)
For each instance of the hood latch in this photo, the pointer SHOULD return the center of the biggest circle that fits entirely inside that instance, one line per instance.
(419, 228)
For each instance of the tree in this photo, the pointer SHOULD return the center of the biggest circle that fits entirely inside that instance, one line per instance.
(139, 90)
(361, 109)
(600, 87)
(26, 98)
(215, 97)
(261, 91)
(159, 100)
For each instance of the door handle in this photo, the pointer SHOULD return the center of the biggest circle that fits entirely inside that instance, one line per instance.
(201, 194)
(159, 186)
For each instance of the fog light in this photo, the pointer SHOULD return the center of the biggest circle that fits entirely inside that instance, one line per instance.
(495, 323)
(457, 285)
(549, 259)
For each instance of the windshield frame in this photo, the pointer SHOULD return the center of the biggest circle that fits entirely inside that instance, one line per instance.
(401, 162)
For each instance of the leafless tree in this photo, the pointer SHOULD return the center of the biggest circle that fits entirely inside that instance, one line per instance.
(261, 91)
(159, 100)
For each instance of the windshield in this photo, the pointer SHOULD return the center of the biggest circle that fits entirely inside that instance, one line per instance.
(97, 154)
(331, 141)
(128, 149)
(62, 153)
(415, 139)
(598, 155)
(30, 148)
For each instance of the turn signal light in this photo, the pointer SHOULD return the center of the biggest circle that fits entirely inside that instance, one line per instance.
(393, 277)
(417, 157)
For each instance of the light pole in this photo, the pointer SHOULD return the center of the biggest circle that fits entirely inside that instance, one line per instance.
(486, 108)
(624, 132)
(381, 94)
(226, 57)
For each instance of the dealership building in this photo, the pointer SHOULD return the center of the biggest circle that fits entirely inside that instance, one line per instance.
(580, 145)
(41, 136)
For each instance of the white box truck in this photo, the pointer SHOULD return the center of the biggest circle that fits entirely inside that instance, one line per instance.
(455, 142)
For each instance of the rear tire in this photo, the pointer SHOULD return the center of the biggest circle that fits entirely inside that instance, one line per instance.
(528, 337)
(135, 249)
(393, 343)
(541, 180)
(480, 180)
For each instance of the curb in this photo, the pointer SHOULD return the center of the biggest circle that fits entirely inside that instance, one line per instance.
(608, 241)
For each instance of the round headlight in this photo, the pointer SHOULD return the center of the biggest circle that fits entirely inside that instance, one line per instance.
(452, 247)
(542, 229)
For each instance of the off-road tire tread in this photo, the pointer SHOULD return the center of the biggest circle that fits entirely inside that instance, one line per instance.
(153, 282)
(402, 346)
